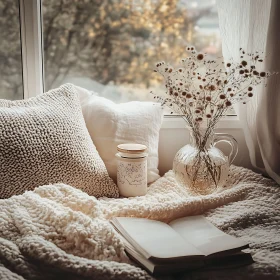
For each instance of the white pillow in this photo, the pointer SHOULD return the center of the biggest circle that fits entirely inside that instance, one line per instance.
(84, 94)
(110, 124)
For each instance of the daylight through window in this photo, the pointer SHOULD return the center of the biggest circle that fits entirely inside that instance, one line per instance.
(10, 51)
(111, 46)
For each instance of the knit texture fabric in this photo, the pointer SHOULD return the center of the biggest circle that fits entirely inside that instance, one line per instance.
(44, 140)
(59, 232)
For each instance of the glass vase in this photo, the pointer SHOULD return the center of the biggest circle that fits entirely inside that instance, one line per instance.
(201, 166)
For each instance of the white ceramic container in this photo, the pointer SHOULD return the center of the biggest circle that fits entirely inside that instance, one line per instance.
(132, 169)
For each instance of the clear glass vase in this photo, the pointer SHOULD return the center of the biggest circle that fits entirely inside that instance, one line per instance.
(202, 167)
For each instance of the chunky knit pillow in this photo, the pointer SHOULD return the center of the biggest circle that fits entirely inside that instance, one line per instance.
(44, 140)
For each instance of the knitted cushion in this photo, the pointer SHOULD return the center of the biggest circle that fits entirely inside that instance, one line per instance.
(44, 140)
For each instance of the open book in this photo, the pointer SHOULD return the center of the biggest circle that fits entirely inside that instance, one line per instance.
(185, 243)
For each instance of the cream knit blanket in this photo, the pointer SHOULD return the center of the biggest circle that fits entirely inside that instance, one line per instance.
(58, 232)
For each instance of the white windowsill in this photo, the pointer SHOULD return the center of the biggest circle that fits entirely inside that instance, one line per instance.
(175, 122)
(174, 135)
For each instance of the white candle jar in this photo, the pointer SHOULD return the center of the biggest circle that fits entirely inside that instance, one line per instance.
(132, 169)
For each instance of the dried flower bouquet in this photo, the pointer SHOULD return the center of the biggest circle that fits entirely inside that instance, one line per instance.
(202, 90)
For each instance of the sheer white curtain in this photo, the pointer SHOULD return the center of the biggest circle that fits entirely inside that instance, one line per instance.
(255, 26)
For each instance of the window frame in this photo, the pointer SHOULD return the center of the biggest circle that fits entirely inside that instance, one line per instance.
(31, 47)
(176, 122)
(33, 63)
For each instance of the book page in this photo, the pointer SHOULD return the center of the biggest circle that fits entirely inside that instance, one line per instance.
(138, 257)
(204, 236)
(156, 238)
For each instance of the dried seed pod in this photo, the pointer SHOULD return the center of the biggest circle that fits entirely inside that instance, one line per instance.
(212, 87)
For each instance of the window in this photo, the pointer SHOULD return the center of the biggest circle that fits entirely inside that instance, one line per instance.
(111, 46)
(11, 86)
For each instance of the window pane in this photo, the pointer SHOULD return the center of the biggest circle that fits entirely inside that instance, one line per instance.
(111, 46)
(10, 51)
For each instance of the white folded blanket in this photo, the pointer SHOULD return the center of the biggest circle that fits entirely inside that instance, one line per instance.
(59, 232)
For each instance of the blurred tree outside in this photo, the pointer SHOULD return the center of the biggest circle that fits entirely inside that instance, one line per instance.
(109, 46)
(10, 51)
(95, 43)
